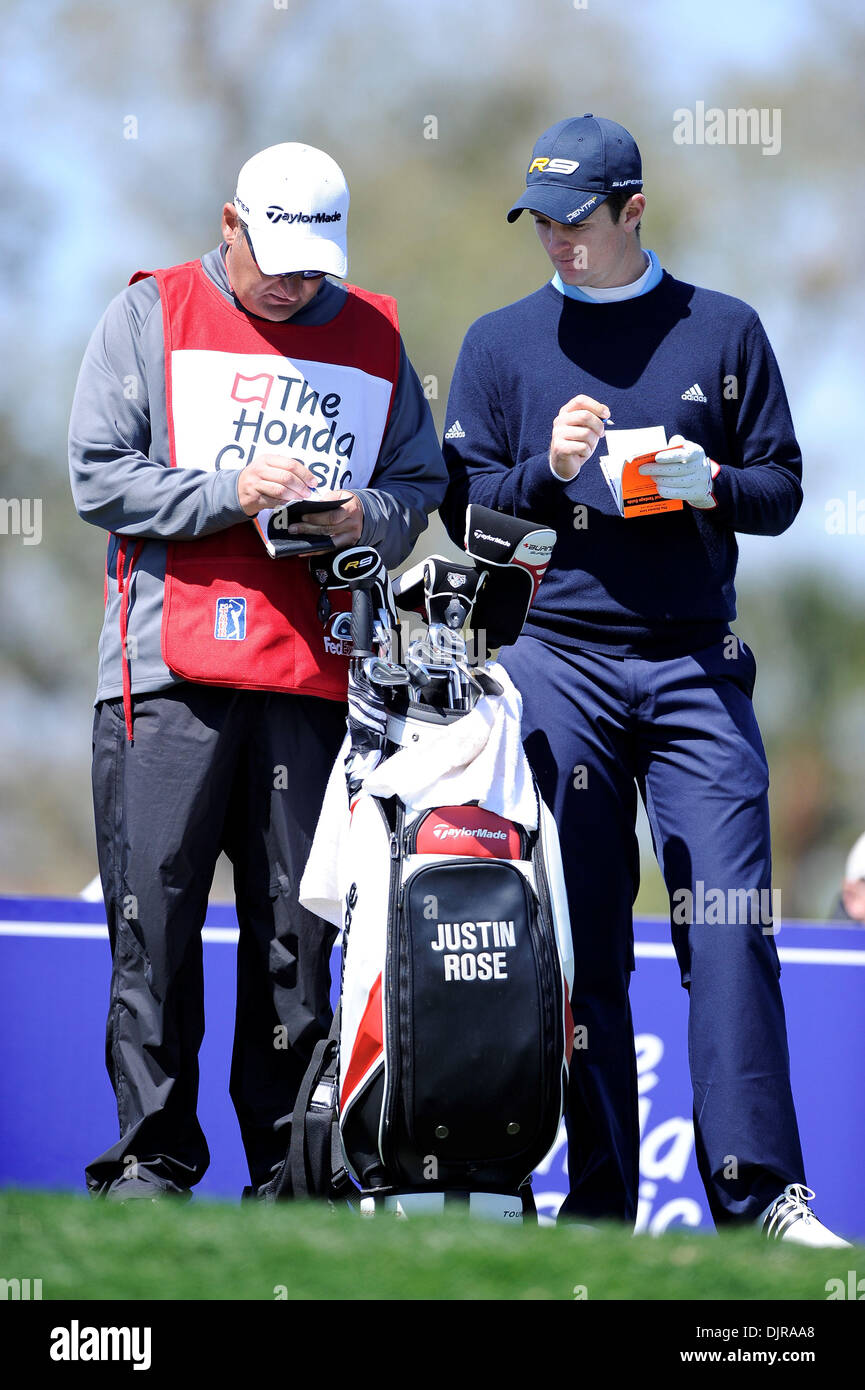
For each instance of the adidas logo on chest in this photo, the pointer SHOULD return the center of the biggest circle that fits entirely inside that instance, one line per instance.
(695, 393)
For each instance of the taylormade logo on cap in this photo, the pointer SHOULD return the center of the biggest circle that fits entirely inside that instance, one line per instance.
(280, 215)
(294, 201)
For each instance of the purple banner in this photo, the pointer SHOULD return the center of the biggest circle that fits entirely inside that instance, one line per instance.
(57, 1109)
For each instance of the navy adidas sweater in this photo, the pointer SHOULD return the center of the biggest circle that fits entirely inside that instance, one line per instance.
(650, 586)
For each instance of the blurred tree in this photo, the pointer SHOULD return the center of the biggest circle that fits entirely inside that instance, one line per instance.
(123, 130)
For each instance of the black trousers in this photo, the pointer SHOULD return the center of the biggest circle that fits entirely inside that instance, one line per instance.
(209, 769)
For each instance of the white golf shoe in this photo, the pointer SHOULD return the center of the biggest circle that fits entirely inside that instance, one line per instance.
(789, 1217)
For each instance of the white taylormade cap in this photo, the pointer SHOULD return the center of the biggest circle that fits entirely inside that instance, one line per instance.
(294, 200)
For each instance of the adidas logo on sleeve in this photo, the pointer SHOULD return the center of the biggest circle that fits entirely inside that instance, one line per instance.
(695, 393)
(456, 431)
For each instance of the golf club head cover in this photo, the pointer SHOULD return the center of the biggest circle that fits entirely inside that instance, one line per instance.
(321, 567)
(362, 570)
(515, 553)
(450, 591)
(409, 590)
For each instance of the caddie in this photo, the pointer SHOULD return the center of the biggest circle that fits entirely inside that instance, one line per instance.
(630, 676)
(210, 392)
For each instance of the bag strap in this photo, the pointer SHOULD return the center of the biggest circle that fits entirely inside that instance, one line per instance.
(306, 1136)
(314, 1165)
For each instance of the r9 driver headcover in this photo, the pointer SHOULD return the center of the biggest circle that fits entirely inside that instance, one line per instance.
(362, 570)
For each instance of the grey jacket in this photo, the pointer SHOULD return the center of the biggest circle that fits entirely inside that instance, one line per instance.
(119, 462)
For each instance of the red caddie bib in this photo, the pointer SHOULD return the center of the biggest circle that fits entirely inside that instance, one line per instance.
(237, 386)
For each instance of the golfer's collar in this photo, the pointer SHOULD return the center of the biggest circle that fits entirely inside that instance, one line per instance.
(650, 277)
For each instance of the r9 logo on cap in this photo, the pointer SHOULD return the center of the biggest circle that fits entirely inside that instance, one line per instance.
(554, 166)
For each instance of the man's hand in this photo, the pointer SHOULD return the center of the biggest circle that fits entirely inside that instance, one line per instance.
(683, 471)
(272, 480)
(343, 525)
(577, 430)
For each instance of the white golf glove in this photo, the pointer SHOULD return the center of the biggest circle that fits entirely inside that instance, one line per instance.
(682, 470)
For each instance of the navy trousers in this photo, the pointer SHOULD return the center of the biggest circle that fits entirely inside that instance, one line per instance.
(210, 769)
(597, 729)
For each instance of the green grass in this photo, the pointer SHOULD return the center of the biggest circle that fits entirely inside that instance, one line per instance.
(82, 1249)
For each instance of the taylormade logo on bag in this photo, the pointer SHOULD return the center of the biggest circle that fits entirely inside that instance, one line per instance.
(469, 831)
(449, 832)
(465, 946)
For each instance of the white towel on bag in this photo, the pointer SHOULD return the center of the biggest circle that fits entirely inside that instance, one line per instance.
(479, 757)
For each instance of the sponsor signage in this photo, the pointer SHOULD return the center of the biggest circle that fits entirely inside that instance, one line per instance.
(59, 1112)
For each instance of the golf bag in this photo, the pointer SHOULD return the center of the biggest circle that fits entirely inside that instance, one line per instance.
(446, 1069)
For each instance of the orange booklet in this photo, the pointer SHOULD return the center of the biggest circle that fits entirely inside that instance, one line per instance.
(639, 494)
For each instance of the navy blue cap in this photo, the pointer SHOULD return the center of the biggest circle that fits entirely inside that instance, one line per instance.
(576, 165)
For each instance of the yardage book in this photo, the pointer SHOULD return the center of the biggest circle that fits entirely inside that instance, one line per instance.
(272, 526)
(634, 493)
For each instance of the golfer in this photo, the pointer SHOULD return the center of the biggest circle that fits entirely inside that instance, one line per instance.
(631, 679)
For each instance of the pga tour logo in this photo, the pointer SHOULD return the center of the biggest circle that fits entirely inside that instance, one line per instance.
(230, 624)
